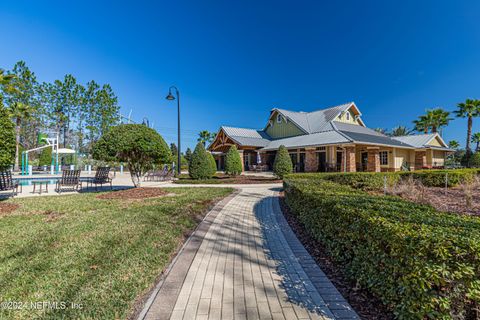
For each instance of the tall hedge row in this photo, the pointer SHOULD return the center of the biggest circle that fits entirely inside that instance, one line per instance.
(419, 262)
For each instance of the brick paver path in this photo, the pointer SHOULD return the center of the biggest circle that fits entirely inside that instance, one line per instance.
(250, 265)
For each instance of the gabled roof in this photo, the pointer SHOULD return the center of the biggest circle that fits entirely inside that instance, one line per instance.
(247, 137)
(314, 139)
(315, 121)
(422, 140)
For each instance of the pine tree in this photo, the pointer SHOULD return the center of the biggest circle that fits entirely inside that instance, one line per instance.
(7, 140)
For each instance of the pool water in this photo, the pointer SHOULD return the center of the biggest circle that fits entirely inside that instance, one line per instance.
(28, 181)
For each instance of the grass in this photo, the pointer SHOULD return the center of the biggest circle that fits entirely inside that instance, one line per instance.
(225, 179)
(100, 254)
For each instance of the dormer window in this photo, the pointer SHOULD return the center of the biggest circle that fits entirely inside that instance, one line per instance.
(279, 118)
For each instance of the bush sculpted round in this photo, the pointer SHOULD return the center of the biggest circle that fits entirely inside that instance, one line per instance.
(137, 145)
(283, 163)
(233, 162)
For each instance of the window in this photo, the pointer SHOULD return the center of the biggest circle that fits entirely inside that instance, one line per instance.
(279, 118)
(383, 158)
(348, 116)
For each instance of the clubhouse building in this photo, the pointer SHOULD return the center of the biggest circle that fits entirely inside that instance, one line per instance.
(332, 139)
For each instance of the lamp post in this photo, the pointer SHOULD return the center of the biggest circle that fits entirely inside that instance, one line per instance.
(171, 98)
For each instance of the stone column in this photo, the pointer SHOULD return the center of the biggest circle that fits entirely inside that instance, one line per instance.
(311, 160)
(420, 159)
(351, 165)
(373, 164)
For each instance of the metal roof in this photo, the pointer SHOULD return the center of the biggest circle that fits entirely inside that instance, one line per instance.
(314, 139)
(247, 137)
(417, 141)
(362, 134)
(315, 121)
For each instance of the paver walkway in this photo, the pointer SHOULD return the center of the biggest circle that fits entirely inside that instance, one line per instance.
(249, 265)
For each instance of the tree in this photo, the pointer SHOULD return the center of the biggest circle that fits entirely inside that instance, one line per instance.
(433, 120)
(137, 145)
(283, 163)
(174, 151)
(476, 140)
(468, 109)
(205, 137)
(453, 144)
(7, 138)
(475, 160)
(233, 162)
(213, 163)
(400, 131)
(200, 165)
(45, 158)
(20, 97)
(380, 130)
(188, 155)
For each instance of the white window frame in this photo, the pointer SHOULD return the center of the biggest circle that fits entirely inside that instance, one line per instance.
(383, 156)
(279, 118)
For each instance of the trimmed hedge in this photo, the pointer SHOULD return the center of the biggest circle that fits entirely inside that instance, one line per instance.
(233, 162)
(201, 166)
(283, 163)
(371, 181)
(421, 263)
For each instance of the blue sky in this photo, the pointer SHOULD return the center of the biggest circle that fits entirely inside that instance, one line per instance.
(235, 60)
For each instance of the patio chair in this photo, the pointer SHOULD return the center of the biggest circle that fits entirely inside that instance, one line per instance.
(7, 183)
(101, 177)
(156, 175)
(70, 180)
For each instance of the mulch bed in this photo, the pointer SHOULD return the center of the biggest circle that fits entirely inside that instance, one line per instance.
(6, 207)
(450, 200)
(134, 193)
(366, 305)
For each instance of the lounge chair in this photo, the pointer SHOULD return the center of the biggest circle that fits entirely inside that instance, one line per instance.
(101, 178)
(157, 175)
(70, 180)
(7, 183)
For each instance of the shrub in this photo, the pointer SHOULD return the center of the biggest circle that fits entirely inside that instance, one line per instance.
(45, 158)
(213, 163)
(419, 262)
(7, 139)
(375, 181)
(233, 162)
(283, 163)
(475, 160)
(200, 163)
(139, 146)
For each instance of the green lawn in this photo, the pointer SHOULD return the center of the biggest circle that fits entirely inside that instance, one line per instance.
(100, 254)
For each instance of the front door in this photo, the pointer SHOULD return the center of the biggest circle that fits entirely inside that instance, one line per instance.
(364, 161)
(322, 161)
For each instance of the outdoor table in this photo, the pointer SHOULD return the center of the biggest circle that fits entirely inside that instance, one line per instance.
(40, 183)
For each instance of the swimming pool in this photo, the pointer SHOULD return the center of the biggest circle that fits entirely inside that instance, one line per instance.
(52, 180)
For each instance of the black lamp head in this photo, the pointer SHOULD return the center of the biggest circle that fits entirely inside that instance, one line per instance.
(170, 96)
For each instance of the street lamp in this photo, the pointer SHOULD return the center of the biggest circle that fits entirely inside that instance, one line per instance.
(171, 97)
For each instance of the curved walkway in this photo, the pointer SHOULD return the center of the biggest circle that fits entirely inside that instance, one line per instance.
(244, 262)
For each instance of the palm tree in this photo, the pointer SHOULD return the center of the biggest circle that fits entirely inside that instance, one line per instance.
(400, 131)
(205, 137)
(423, 124)
(468, 109)
(453, 144)
(439, 118)
(381, 130)
(476, 139)
(19, 112)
